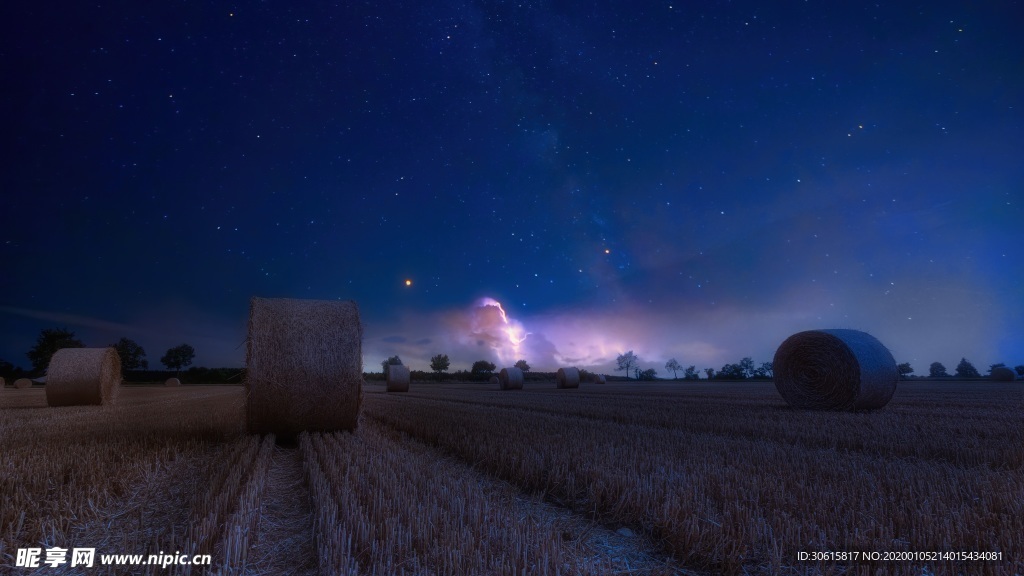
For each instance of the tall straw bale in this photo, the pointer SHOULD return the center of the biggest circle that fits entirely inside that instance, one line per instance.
(510, 378)
(835, 370)
(398, 378)
(304, 366)
(172, 382)
(1003, 374)
(83, 376)
(568, 378)
(22, 383)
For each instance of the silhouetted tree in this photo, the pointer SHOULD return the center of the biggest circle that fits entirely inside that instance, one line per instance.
(691, 373)
(392, 361)
(674, 366)
(133, 356)
(649, 374)
(482, 367)
(626, 361)
(966, 370)
(766, 370)
(178, 357)
(49, 341)
(522, 365)
(439, 364)
(746, 367)
(710, 372)
(1020, 370)
(904, 370)
(937, 370)
(731, 372)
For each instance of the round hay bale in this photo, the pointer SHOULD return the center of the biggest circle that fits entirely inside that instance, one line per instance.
(83, 376)
(398, 378)
(304, 366)
(22, 383)
(568, 378)
(510, 378)
(835, 370)
(172, 382)
(1003, 374)
(495, 380)
(599, 379)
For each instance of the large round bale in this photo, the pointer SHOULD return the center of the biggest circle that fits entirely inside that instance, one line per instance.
(510, 378)
(172, 382)
(22, 383)
(398, 378)
(835, 370)
(1003, 374)
(568, 378)
(304, 366)
(83, 376)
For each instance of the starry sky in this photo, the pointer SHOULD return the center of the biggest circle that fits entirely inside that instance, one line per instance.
(693, 180)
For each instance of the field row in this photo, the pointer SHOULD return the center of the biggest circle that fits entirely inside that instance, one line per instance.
(733, 502)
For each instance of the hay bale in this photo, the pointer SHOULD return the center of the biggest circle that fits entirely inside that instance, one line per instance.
(510, 378)
(495, 380)
(398, 378)
(2, 382)
(599, 379)
(22, 383)
(835, 370)
(568, 378)
(304, 366)
(172, 382)
(83, 376)
(1003, 374)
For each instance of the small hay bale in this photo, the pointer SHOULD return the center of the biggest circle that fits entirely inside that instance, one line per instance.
(304, 366)
(510, 378)
(1003, 374)
(172, 382)
(599, 379)
(83, 376)
(495, 380)
(398, 378)
(568, 378)
(835, 370)
(22, 383)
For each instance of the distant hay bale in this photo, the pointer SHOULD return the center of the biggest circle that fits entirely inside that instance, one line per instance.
(568, 378)
(304, 366)
(494, 380)
(83, 376)
(1003, 374)
(398, 378)
(2, 382)
(835, 370)
(22, 383)
(599, 379)
(172, 382)
(510, 378)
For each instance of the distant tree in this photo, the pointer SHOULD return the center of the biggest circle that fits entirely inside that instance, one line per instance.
(649, 374)
(710, 372)
(1020, 370)
(392, 361)
(133, 356)
(439, 364)
(691, 373)
(6, 367)
(937, 370)
(482, 367)
(522, 365)
(765, 370)
(674, 366)
(626, 361)
(49, 341)
(731, 372)
(179, 357)
(746, 366)
(904, 370)
(966, 370)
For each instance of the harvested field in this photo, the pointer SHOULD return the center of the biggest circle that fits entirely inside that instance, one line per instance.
(624, 478)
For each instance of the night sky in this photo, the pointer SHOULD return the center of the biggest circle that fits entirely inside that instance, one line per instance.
(688, 180)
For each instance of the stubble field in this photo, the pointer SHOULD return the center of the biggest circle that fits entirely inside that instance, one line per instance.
(624, 478)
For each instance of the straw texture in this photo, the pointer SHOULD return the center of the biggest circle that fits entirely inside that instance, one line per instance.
(568, 378)
(304, 364)
(398, 378)
(510, 378)
(22, 383)
(83, 376)
(835, 370)
(172, 382)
